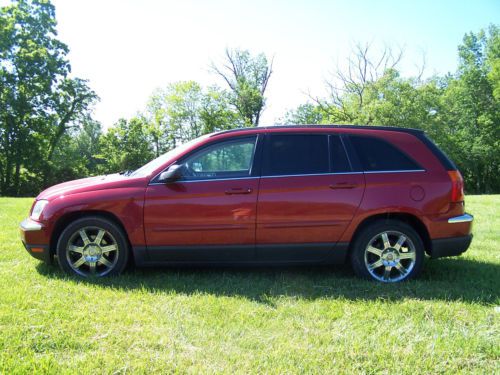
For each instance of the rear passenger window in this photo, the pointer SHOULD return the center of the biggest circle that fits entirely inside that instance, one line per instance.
(295, 154)
(378, 155)
(338, 158)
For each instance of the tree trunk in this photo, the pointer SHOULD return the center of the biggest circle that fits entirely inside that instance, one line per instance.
(16, 176)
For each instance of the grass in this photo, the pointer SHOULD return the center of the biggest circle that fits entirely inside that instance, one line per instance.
(252, 320)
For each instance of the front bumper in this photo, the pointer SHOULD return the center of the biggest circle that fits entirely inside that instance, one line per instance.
(453, 246)
(33, 238)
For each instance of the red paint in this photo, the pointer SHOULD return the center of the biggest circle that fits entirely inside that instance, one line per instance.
(318, 212)
(200, 212)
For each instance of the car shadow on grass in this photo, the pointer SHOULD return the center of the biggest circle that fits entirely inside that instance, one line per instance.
(454, 279)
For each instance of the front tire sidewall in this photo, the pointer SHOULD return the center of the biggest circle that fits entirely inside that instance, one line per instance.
(362, 240)
(105, 224)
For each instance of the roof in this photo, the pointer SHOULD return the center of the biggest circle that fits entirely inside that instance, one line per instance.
(366, 127)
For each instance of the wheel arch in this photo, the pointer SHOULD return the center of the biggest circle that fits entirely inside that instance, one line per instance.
(404, 217)
(70, 217)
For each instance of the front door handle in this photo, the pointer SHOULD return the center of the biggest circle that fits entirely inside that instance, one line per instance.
(343, 185)
(238, 191)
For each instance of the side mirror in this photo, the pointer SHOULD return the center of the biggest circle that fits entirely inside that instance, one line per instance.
(172, 174)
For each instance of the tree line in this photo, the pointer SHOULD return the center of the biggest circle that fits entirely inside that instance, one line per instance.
(48, 135)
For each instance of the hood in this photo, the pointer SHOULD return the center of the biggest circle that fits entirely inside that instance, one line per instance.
(111, 181)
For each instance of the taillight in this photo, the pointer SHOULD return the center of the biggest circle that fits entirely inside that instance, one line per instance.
(457, 186)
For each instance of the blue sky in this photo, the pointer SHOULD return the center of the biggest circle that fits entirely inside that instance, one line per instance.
(127, 48)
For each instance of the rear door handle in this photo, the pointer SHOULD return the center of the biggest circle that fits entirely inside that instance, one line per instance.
(238, 191)
(343, 185)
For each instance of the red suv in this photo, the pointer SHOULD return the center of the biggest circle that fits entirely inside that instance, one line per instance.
(380, 197)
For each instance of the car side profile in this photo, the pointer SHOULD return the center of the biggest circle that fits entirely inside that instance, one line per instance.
(377, 197)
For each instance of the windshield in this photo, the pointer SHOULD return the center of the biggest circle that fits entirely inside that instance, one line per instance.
(154, 164)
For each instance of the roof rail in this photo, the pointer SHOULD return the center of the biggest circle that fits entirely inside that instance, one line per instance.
(332, 126)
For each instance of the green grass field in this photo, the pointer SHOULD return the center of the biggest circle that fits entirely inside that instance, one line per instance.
(273, 320)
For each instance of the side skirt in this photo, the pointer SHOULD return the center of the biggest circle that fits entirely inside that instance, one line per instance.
(276, 254)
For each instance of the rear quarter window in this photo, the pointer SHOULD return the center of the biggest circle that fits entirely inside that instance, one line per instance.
(376, 154)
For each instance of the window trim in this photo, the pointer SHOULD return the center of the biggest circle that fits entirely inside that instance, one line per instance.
(297, 175)
(254, 164)
(208, 180)
(313, 174)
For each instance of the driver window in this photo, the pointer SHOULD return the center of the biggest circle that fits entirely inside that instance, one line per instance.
(230, 159)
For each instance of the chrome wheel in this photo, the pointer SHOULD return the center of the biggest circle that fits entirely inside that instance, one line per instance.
(92, 251)
(390, 256)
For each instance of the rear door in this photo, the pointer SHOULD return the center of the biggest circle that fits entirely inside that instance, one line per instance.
(307, 197)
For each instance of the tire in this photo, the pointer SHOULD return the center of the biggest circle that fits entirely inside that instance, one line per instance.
(92, 247)
(388, 251)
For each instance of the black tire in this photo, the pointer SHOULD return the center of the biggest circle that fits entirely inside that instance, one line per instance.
(93, 256)
(378, 257)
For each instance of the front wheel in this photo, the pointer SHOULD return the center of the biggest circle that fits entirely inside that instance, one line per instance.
(92, 247)
(388, 251)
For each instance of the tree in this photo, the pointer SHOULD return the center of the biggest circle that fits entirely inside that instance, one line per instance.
(73, 157)
(471, 111)
(247, 77)
(126, 146)
(216, 112)
(39, 102)
(348, 86)
(174, 115)
(68, 109)
(88, 144)
(304, 114)
(184, 110)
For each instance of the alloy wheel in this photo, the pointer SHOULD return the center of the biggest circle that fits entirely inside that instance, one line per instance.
(92, 251)
(390, 256)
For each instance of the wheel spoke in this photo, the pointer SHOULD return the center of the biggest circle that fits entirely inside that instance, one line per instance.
(79, 262)
(403, 271)
(99, 237)
(385, 238)
(387, 272)
(105, 262)
(92, 266)
(76, 249)
(374, 250)
(377, 264)
(107, 249)
(408, 255)
(401, 241)
(84, 237)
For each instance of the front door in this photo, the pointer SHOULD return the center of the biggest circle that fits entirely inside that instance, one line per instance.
(209, 213)
(307, 197)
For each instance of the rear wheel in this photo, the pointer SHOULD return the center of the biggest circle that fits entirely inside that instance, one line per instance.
(388, 251)
(92, 247)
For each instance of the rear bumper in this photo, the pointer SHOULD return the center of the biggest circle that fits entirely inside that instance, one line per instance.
(449, 247)
(32, 234)
(453, 246)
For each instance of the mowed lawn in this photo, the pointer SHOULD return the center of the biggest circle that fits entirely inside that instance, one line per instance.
(252, 320)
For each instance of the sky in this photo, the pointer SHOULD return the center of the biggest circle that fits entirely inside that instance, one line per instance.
(128, 48)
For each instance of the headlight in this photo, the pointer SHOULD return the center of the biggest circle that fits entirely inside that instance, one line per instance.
(38, 208)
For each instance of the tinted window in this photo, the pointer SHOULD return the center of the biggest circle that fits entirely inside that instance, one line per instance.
(376, 154)
(222, 160)
(296, 154)
(338, 157)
